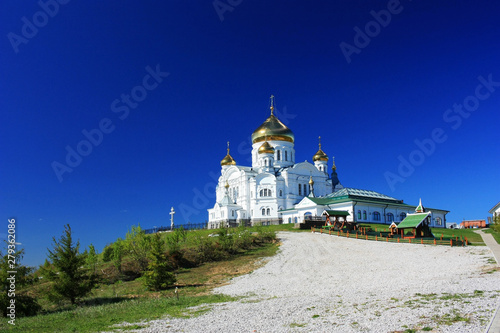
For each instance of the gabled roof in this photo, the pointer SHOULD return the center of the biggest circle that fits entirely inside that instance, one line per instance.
(413, 220)
(336, 212)
(492, 210)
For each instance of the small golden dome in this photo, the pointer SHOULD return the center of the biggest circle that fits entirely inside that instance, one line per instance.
(311, 181)
(320, 155)
(228, 160)
(266, 148)
(227, 185)
(272, 129)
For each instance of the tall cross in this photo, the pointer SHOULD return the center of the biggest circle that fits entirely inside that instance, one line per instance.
(172, 212)
(272, 105)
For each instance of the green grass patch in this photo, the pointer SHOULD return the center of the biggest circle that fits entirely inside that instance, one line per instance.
(494, 233)
(103, 317)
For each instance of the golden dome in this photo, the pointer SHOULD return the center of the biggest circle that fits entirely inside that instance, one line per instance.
(272, 129)
(311, 181)
(266, 148)
(228, 160)
(320, 155)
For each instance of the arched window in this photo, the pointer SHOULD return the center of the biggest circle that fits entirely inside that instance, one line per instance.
(261, 193)
(278, 155)
(268, 212)
(300, 190)
(402, 216)
(359, 215)
(376, 216)
(281, 193)
(295, 219)
(269, 193)
(364, 215)
(286, 155)
(390, 217)
(263, 211)
(438, 221)
(289, 220)
(305, 189)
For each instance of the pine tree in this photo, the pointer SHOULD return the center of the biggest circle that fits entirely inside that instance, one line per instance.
(66, 268)
(158, 275)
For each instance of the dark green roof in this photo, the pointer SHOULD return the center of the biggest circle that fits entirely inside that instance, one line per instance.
(412, 220)
(355, 193)
(337, 212)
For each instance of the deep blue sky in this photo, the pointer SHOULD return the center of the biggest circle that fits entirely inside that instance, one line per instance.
(397, 89)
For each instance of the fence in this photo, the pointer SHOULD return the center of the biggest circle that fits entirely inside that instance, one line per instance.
(384, 237)
(187, 226)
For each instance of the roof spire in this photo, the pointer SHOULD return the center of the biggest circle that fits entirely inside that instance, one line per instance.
(272, 105)
(319, 141)
(228, 147)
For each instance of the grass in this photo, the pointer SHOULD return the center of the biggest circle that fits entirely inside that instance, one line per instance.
(472, 237)
(103, 317)
(494, 233)
(129, 301)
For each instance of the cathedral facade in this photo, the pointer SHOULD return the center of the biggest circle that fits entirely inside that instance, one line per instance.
(273, 183)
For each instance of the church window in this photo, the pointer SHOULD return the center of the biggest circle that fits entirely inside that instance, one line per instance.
(270, 193)
(295, 219)
(305, 189)
(376, 216)
(289, 220)
(402, 216)
(261, 193)
(281, 193)
(438, 221)
(286, 155)
(359, 215)
(364, 215)
(390, 217)
(268, 212)
(300, 189)
(278, 155)
(232, 213)
(263, 211)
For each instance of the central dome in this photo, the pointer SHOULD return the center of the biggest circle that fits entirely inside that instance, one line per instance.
(272, 129)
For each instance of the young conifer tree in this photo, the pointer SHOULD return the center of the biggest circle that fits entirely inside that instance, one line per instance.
(158, 275)
(66, 268)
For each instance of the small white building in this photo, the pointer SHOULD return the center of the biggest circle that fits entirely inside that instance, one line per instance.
(495, 212)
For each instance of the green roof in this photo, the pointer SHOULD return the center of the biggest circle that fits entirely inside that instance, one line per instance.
(361, 194)
(412, 220)
(337, 212)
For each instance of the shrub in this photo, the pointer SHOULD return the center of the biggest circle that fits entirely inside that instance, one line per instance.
(158, 275)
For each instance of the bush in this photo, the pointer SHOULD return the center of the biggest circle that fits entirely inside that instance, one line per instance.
(25, 305)
(158, 275)
(107, 253)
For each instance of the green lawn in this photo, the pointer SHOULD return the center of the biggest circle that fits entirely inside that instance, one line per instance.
(494, 233)
(472, 237)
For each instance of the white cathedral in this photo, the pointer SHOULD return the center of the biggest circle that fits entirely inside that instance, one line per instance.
(276, 190)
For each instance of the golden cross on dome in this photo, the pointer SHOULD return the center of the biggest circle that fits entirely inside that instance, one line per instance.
(319, 140)
(228, 147)
(272, 104)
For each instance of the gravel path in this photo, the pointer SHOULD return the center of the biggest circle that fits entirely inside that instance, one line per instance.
(321, 283)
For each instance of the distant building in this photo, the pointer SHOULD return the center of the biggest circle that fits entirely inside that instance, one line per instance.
(451, 225)
(467, 224)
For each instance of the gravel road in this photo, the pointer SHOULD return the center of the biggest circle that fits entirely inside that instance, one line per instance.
(321, 283)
